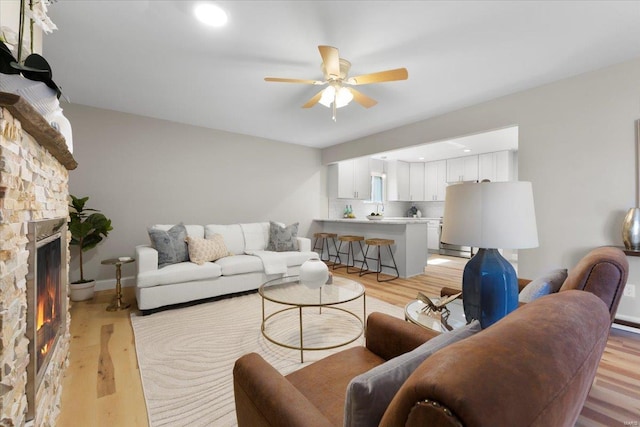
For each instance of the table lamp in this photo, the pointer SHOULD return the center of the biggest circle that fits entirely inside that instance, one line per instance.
(489, 216)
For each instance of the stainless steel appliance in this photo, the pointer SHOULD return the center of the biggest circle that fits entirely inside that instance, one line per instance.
(454, 250)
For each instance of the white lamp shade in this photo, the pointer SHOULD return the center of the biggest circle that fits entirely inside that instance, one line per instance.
(497, 215)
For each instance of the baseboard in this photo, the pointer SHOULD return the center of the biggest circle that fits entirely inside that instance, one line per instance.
(626, 325)
(125, 282)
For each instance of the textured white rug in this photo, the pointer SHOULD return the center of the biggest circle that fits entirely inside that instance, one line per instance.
(186, 355)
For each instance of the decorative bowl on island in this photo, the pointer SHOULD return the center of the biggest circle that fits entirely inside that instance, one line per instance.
(375, 217)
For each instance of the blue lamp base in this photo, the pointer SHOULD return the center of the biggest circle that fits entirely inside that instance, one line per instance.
(489, 287)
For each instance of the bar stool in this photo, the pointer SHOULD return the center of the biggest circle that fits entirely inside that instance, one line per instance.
(348, 239)
(323, 239)
(377, 243)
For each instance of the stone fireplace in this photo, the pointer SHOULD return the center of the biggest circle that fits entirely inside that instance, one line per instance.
(34, 260)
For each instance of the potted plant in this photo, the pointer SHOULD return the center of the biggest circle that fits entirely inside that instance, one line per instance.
(88, 227)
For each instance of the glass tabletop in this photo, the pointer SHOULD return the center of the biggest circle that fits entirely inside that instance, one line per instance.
(416, 312)
(289, 291)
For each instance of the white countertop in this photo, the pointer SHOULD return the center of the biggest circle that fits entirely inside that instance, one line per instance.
(383, 221)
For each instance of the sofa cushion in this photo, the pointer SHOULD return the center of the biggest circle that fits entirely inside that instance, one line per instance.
(193, 230)
(282, 238)
(549, 283)
(369, 394)
(170, 244)
(232, 235)
(239, 264)
(203, 250)
(256, 236)
(178, 273)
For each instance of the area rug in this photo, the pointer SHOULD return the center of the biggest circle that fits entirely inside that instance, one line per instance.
(186, 355)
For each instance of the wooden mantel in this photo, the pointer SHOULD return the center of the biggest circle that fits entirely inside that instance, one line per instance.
(35, 125)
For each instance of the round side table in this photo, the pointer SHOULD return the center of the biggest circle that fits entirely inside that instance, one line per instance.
(117, 303)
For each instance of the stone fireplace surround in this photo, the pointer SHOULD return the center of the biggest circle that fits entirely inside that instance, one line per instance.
(34, 165)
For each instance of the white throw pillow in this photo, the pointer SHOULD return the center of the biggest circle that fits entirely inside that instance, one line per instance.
(205, 250)
(369, 394)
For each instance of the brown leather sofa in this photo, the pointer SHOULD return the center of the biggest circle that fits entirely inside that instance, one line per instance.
(534, 367)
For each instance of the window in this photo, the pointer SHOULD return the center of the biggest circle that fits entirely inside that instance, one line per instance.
(377, 188)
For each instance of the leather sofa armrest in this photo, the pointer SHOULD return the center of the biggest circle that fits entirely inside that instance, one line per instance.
(265, 398)
(147, 259)
(304, 244)
(388, 336)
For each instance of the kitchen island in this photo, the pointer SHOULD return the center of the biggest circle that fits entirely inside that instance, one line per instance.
(410, 236)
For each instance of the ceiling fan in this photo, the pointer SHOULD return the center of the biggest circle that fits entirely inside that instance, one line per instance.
(339, 92)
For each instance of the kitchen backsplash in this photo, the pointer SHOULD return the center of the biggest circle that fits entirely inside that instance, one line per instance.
(391, 209)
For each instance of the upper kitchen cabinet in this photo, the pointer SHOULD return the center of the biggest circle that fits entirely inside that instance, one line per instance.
(354, 179)
(398, 178)
(462, 169)
(435, 180)
(416, 182)
(496, 166)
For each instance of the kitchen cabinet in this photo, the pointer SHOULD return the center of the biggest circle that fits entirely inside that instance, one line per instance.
(435, 180)
(416, 182)
(354, 179)
(433, 236)
(398, 177)
(496, 167)
(462, 169)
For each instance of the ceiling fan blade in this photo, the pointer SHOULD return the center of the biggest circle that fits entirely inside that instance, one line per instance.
(362, 99)
(382, 76)
(285, 80)
(313, 101)
(331, 60)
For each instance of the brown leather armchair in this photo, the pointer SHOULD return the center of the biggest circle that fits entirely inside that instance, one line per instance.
(534, 367)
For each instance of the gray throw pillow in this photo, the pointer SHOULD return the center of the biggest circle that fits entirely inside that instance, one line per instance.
(281, 238)
(369, 394)
(170, 244)
(549, 283)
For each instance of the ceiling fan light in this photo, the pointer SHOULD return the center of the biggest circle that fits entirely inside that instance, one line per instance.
(327, 96)
(210, 14)
(342, 98)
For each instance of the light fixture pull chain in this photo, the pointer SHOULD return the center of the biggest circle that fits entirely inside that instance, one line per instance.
(335, 98)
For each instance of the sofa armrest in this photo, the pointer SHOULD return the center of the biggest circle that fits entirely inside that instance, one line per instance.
(265, 398)
(388, 336)
(304, 244)
(147, 258)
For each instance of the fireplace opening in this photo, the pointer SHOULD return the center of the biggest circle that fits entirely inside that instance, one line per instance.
(48, 314)
(46, 298)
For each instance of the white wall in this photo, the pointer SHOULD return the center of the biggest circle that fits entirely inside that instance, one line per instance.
(140, 171)
(577, 147)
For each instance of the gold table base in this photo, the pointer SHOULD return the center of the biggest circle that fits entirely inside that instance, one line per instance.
(117, 303)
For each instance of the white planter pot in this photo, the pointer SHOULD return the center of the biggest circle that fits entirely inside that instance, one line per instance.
(314, 273)
(81, 291)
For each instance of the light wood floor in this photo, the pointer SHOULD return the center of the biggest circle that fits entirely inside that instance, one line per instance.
(102, 384)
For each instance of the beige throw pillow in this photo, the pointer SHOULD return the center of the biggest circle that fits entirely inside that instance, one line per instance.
(209, 249)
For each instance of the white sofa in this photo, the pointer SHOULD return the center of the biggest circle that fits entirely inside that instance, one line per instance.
(240, 272)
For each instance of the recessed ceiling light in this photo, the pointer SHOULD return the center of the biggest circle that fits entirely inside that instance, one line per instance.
(467, 150)
(210, 14)
(420, 158)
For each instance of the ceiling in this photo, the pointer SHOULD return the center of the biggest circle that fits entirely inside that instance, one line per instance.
(154, 59)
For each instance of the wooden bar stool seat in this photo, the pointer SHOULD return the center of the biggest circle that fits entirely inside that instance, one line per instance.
(351, 261)
(323, 248)
(377, 242)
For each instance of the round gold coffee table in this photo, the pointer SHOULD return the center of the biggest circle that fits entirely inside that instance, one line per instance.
(336, 327)
(117, 303)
